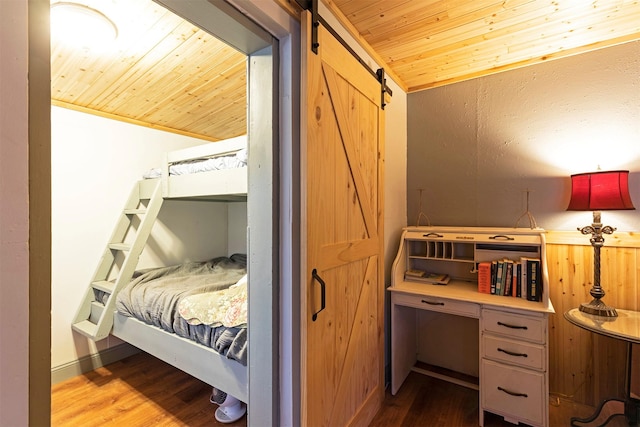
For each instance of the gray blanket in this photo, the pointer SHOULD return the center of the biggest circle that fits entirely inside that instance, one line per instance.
(153, 297)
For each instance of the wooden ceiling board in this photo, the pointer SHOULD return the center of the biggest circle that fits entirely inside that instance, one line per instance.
(149, 76)
(428, 43)
(181, 71)
(217, 94)
(455, 28)
(105, 66)
(226, 104)
(409, 22)
(502, 37)
(162, 71)
(504, 46)
(369, 16)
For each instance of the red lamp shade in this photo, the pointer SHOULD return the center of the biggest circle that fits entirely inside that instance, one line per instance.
(600, 191)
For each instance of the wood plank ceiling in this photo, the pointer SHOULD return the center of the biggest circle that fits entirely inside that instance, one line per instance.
(428, 43)
(169, 74)
(161, 71)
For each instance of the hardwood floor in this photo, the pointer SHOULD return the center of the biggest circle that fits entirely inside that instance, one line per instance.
(144, 391)
(137, 391)
(426, 401)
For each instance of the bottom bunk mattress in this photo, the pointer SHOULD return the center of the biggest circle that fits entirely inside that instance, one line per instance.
(202, 301)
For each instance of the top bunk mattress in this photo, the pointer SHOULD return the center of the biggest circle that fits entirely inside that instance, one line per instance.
(228, 161)
(214, 171)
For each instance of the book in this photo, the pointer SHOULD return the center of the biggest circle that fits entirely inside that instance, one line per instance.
(484, 277)
(499, 277)
(427, 277)
(532, 289)
(414, 273)
(435, 278)
(508, 277)
(523, 277)
(494, 269)
(533, 273)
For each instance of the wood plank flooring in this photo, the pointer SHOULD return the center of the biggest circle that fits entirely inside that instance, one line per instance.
(425, 401)
(137, 391)
(144, 391)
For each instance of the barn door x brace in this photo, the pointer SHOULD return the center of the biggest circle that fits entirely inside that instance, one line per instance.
(317, 20)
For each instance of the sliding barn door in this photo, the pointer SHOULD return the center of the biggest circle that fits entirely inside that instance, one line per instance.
(342, 299)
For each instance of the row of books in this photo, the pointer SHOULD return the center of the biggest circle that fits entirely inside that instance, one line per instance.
(516, 278)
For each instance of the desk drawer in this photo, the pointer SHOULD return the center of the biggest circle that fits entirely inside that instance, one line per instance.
(513, 392)
(514, 325)
(444, 305)
(514, 352)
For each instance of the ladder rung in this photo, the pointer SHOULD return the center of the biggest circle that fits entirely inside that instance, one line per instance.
(135, 211)
(104, 286)
(86, 328)
(96, 311)
(120, 246)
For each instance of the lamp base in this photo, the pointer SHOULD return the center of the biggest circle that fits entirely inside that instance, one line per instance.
(598, 308)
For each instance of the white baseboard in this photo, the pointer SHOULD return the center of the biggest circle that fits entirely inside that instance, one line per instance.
(91, 362)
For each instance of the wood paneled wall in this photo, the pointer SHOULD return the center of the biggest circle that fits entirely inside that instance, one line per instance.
(587, 367)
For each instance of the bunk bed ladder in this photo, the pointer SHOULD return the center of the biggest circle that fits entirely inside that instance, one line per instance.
(94, 317)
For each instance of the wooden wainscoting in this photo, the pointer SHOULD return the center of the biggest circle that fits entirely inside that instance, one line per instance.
(587, 367)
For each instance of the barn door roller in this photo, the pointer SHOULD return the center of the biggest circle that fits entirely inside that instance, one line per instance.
(316, 21)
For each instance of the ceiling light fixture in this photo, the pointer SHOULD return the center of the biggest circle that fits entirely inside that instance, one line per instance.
(81, 26)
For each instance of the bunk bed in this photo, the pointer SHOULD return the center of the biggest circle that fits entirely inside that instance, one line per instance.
(207, 349)
(150, 316)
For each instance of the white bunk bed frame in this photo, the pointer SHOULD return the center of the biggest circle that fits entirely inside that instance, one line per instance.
(223, 184)
(189, 356)
(96, 320)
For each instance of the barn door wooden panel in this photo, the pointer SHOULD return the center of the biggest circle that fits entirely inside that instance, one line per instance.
(342, 299)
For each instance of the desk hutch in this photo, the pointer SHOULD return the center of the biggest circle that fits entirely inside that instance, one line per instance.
(493, 343)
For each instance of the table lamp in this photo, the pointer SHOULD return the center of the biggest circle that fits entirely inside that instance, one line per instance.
(599, 191)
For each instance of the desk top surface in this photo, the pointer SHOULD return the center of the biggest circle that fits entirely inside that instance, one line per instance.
(468, 292)
(625, 327)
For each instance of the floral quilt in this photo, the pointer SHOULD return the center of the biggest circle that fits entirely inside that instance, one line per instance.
(227, 307)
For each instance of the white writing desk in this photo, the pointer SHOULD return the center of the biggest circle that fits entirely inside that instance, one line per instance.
(495, 344)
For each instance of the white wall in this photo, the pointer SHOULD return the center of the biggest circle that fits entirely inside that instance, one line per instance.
(95, 163)
(476, 146)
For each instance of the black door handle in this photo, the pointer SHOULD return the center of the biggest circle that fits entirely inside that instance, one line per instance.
(323, 301)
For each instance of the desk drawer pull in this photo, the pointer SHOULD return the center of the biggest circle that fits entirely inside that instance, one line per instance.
(511, 353)
(432, 302)
(506, 325)
(512, 393)
(323, 298)
(501, 237)
(432, 235)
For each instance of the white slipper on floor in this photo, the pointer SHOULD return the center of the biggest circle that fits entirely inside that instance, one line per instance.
(229, 414)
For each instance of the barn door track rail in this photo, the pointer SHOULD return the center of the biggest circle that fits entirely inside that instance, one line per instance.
(317, 20)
